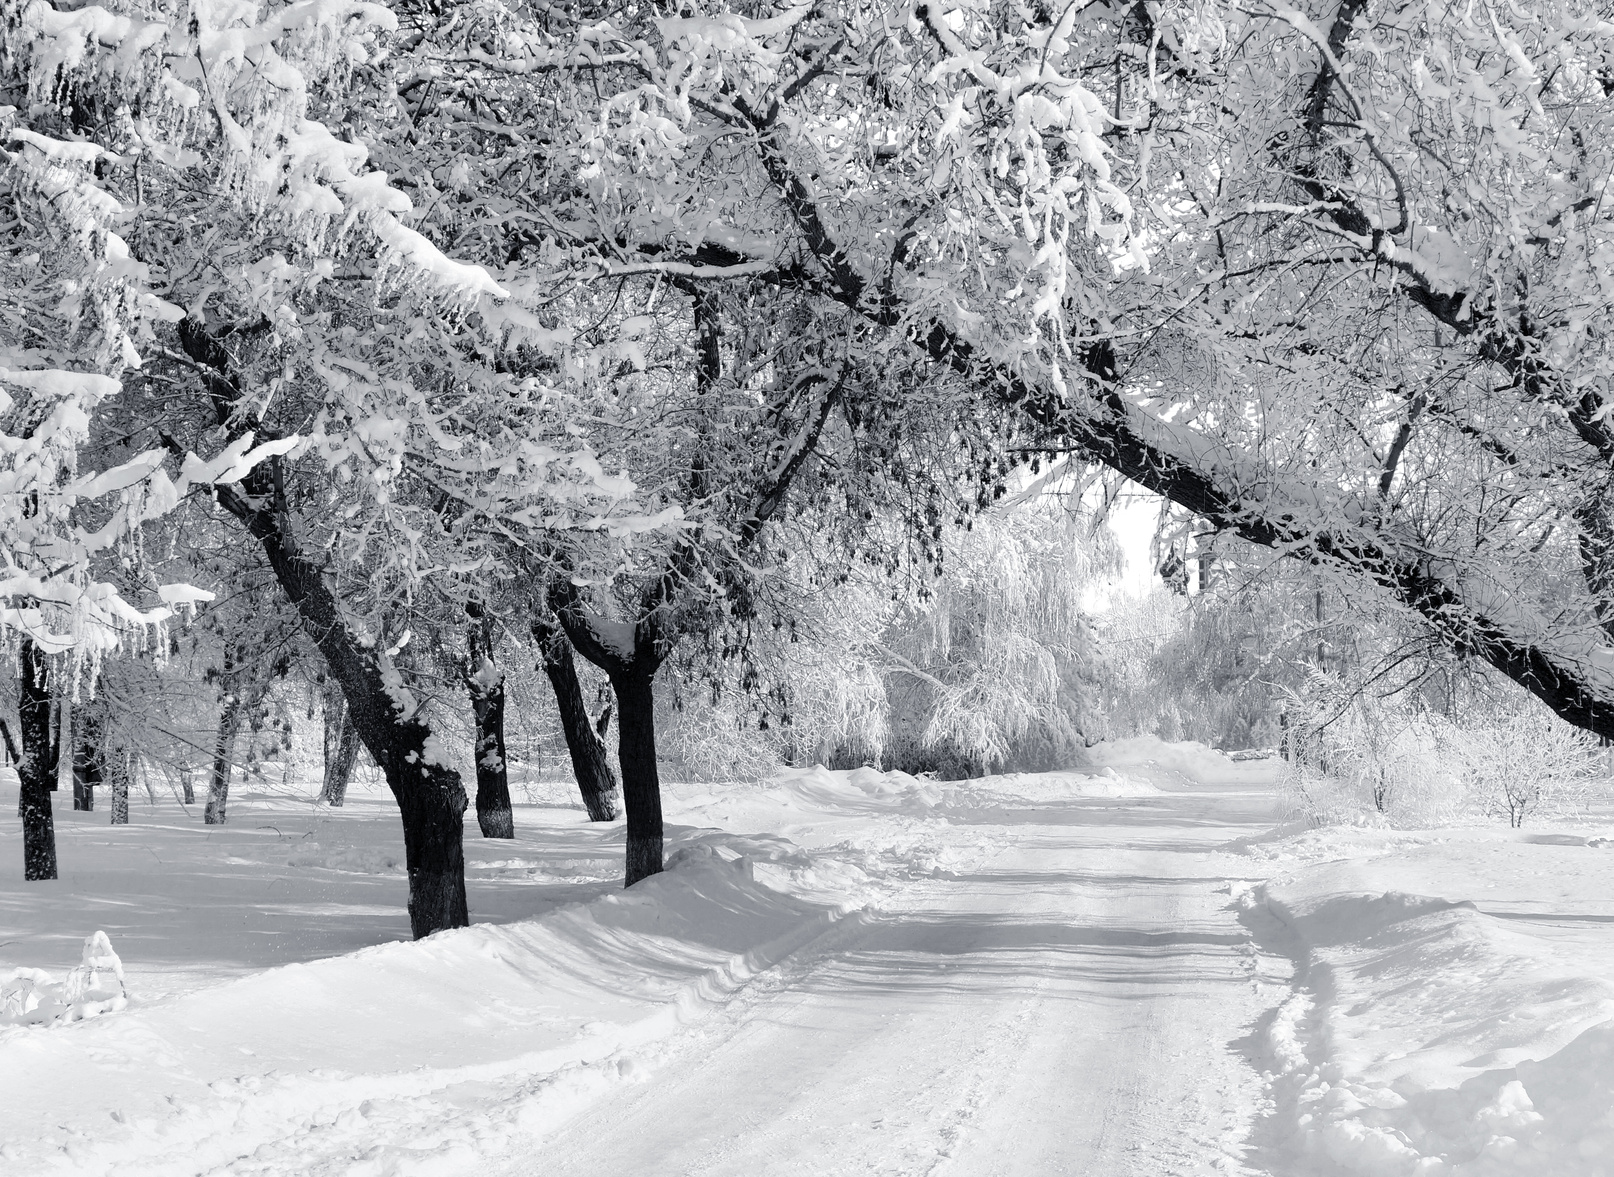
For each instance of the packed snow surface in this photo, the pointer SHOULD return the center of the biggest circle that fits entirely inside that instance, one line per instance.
(1455, 1006)
(1126, 968)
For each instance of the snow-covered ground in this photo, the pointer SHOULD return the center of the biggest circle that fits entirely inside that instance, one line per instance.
(1454, 1007)
(1123, 969)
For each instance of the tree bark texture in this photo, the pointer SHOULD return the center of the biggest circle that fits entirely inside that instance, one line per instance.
(88, 730)
(115, 767)
(341, 747)
(641, 783)
(431, 798)
(218, 785)
(486, 687)
(36, 767)
(590, 765)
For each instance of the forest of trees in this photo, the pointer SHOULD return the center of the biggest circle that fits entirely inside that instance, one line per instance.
(359, 353)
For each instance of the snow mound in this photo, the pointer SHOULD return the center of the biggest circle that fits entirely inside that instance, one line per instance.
(33, 997)
(1429, 1038)
(1108, 783)
(1298, 842)
(364, 860)
(862, 789)
(1199, 763)
(305, 1067)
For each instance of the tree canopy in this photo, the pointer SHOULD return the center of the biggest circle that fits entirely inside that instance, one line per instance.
(439, 300)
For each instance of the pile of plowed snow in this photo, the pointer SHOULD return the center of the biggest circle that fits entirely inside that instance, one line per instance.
(1455, 1004)
(335, 1055)
(874, 790)
(1187, 763)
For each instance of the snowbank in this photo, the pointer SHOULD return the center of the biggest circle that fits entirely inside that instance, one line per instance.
(552, 1009)
(871, 790)
(1188, 760)
(1435, 1034)
(862, 789)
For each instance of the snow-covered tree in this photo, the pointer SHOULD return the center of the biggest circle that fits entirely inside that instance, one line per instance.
(1331, 279)
(66, 314)
(286, 311)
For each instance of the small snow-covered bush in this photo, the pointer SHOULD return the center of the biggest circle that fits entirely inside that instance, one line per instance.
(1353, 758)
(33, 996)
(1528, 763)
(1398, 774)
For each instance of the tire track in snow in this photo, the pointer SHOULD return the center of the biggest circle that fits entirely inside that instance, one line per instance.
(1072, 1006)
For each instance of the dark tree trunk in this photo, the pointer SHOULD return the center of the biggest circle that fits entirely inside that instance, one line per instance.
(115, 767)
(431, 799)
(584, 740)
(341, 747)
(186, 791)
(218, 785)
(633, 677)
(641, 783)
(36, 767)
(88, 731)
(486, 687)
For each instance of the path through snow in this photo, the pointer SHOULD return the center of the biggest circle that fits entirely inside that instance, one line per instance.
(855, 973)
(1071, 1004)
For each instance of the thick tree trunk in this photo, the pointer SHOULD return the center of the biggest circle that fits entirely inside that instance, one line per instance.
(595, 780)
(493, 812)
(431, 799)
(88, 731)
(633, 675)
(218, 785)
(36, 768)
(186, 790)
(115, 767)
(341, 747)
(641, 784)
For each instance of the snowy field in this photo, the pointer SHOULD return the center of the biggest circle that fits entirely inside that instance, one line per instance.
(1126, 969)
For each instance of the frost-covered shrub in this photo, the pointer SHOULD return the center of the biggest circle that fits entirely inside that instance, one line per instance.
(1528, 764)
(1354, 758)
(33, 997)
(1399, 774)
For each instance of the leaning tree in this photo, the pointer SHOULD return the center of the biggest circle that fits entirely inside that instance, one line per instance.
(342, 372)
(1331, 278)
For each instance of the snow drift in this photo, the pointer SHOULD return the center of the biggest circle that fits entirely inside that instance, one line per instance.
(547, 1011)
(1428, 1036)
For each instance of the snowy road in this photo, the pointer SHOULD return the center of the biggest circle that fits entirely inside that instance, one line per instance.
(839, 973)
(1072, 1004)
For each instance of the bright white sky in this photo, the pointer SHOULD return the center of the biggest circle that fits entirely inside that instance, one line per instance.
(1132, 519)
